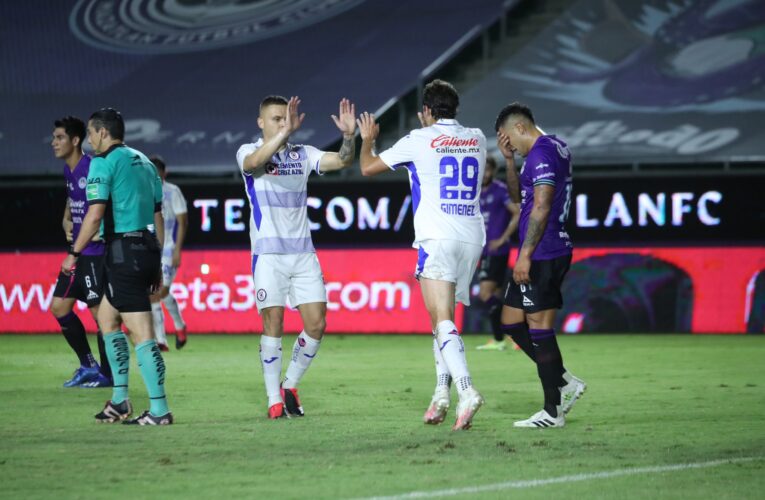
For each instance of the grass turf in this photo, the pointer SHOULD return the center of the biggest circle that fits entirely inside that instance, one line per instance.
(652, 400)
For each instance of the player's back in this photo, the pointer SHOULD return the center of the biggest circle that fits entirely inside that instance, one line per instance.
(447, 169)
(134, 187)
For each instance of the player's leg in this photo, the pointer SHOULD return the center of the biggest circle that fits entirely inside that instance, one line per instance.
(158, 322)
(272, 286)
(542, 298)
(65, 295)
(104, 378)
(118, 407)
(94, 283)
(513, 319)
(168, 275)
(309, 295)
(440, 402)
(271, 357)
(487, 294)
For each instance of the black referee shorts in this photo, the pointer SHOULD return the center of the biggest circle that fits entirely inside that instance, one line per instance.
(85, 284)
(543, 292)
(133, 265)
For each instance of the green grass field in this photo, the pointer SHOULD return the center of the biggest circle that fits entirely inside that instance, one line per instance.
(651, 401)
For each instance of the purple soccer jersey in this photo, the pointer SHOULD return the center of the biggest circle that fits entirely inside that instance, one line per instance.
(548, 163)
(76, 182)
(496, 217)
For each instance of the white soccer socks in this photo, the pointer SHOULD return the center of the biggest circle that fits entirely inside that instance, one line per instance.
(303, 352)
(271, 360)
(159, 323)
(452, 350)
(172, 307)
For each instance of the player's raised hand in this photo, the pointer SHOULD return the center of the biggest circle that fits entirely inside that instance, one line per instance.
(504, 145)
(424, 116)
(346, 117)
(294, 118)
(367, 127)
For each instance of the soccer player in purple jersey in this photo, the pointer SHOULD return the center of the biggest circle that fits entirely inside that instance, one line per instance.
(86, 282)
(500, 216)
(544, 257)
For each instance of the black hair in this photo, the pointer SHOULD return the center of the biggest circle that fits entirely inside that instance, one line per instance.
(158, 162)
(73, 126)
(111, 120)
(273, 99)
(442, 99)
(491, 161)
(515, 108)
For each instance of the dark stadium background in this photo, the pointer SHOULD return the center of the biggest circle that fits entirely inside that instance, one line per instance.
(662, 103)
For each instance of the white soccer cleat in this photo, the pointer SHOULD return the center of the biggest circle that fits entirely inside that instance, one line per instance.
(439, 405)
(470, 402)
(571, 392)
(542, 420)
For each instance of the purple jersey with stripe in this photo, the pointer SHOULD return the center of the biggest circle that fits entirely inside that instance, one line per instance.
(548, 163)
(496, 217)
(76, 182)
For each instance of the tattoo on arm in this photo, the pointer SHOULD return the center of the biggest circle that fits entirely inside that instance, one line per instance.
(347, 150)
(538, 217)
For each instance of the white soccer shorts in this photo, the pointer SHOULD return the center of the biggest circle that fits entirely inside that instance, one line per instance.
(278, 277)
(449, 260)
(168, 271)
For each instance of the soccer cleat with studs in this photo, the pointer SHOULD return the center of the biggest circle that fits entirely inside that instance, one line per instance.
(115, 412)
(147, 418)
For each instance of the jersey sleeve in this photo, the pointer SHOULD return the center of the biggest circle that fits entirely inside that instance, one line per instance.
(244, 151)
(542, 169)
(400, 153)
(99, 181)
(313, 156)
(179, 202)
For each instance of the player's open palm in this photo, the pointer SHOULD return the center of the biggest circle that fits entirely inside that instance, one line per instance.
(368, 129)
(294, 118)
(346, 117)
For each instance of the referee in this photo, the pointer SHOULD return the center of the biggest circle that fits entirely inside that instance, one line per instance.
(124, 194)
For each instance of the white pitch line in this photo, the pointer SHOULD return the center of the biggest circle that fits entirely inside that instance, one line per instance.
(532, 483)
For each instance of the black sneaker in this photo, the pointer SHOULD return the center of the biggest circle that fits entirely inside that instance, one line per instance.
(147, 418)
(114, 412)
(292, 404)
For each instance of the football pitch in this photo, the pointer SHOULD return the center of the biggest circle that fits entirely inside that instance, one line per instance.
(674, 416)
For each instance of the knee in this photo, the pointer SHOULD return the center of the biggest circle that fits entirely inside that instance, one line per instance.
(315, 328)
(58, 308)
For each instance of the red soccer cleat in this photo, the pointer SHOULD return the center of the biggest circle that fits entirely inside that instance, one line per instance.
(276, 411)
(180, 338)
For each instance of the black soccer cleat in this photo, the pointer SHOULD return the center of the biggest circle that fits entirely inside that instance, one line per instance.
(113, 412)
(292, 404)
(147, 418)
(181, 338)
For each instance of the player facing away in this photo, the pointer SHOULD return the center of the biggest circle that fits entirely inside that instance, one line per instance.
(125, 197)
(501, 216)
(445, 163)
(86, 282)
(544, 257)
(175, 214)
(284, 262)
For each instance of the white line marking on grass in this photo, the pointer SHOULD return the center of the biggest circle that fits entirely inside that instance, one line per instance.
(532, 483)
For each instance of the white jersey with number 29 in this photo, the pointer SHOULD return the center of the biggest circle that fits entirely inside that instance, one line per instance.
(445, 163)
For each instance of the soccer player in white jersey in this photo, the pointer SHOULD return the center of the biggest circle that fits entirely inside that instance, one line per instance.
(445, 162)
(175, 213)
(284, 262)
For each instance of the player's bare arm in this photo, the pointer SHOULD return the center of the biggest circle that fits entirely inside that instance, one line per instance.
(346, 123)
(90, 226)
(288, 121)
(512, 226)
(66, 223)
(511, 174)
(371, 164)
(183, 225)
(540, 212)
